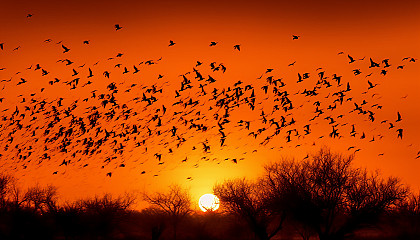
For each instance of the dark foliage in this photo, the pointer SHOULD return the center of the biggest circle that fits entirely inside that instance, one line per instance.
(323, 197)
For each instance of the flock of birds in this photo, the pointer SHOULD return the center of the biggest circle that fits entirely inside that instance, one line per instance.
(109, 124)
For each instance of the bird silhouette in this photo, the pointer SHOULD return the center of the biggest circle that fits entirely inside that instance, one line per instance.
(65, 49)
(117, 27)
(90, 73)
(398, 117)
(373, 64)
(400, 133)
(386, 62)
(351, 60)
(371, 85)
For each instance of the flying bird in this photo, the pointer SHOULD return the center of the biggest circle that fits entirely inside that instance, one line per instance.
(400, 133)
(66, 49)
(398, 117)
(117, 27)
(351, 59)
(373, 64)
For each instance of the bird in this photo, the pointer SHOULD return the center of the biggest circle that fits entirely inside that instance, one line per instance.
(373, 64)
(66, 49)
(386, 62)
(237, 47)
(295, 37)
(350, 58)
(400, 133)
(136, 70)
(357, 72)
(117, 27)
(171, 43)
(213, 44)
(398, 117)
(371, 85)
(2, 46)
(90, 73)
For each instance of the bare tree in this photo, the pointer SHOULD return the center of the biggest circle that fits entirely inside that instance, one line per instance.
(68, 218)
(154, 221)
(330, 196)
(5, 184)
(104, 214)
(114, 204)
(17, 196)
(176, 203)
(250, 201)
(411, 205)
(43, 199)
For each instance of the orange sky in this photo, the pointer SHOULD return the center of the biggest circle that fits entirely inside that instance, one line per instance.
(377, 30)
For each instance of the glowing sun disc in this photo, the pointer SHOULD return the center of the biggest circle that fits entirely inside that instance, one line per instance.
(208, 202)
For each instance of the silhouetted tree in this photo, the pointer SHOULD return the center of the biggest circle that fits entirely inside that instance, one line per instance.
(103, 214)
(176, 203)
(411, 205)
(406, 219)
(16, 195)
(154, 221)
(43, 199)
(249, 201)
(69, 220)
(5, 185)
(330, 196)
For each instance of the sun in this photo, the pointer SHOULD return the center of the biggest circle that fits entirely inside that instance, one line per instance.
(208, 202)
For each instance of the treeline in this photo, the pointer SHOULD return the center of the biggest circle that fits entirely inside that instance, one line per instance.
(322, 197)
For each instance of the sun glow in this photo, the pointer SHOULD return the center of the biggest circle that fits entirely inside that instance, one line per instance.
(208, 202)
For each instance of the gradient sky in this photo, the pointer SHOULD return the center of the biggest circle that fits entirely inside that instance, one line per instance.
(264, 29)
